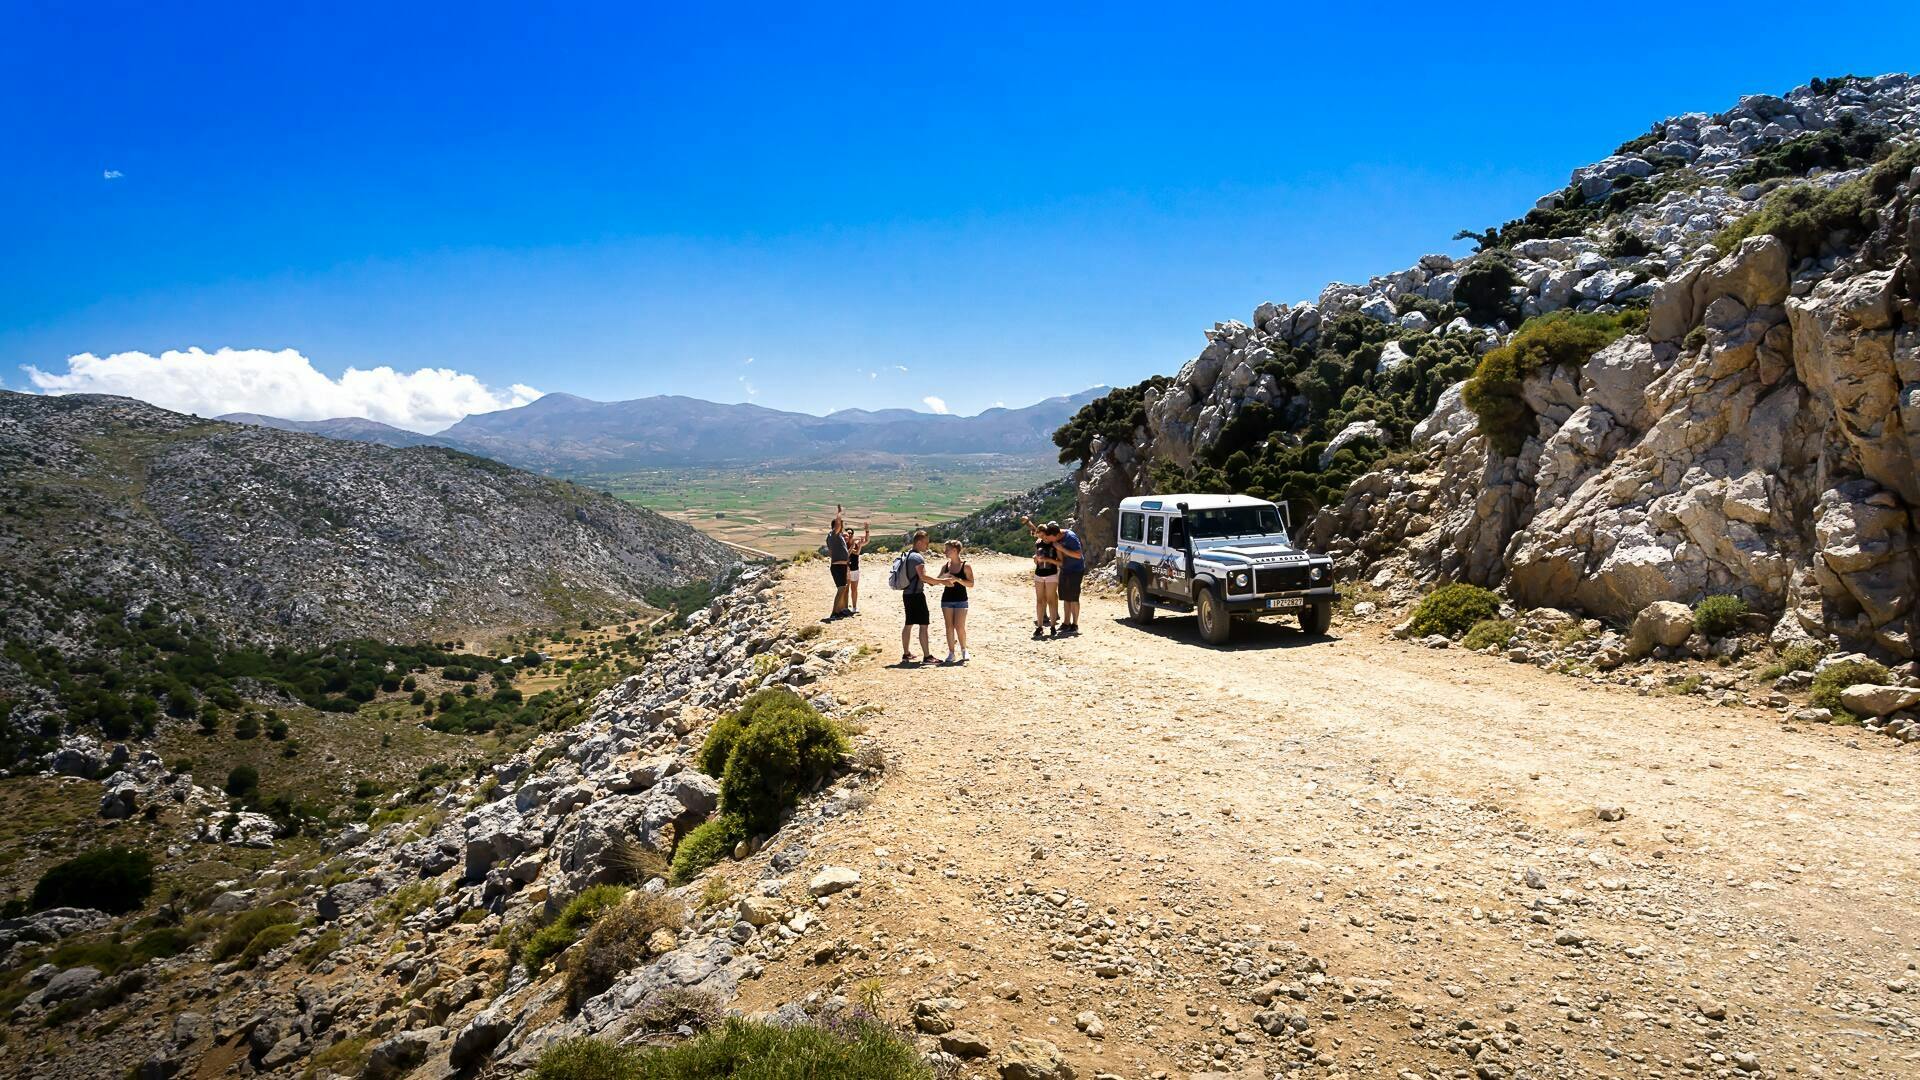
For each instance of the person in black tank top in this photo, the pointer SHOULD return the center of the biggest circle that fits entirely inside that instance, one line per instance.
(953, 602)
(1046, 582)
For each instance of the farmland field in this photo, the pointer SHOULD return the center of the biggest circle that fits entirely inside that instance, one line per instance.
(784, 509)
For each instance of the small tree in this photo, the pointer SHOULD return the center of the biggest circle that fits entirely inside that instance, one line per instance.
(111, 879)
(243, 782)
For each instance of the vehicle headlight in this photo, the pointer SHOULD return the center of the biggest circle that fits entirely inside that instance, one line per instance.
(1318, 573)
(1241, 581)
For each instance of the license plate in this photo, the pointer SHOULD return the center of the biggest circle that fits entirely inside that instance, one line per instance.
(1284, 602)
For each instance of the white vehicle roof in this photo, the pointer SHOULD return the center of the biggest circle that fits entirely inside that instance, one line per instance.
(1194, 502)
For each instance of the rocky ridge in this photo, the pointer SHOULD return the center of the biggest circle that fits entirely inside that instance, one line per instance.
(1756, 439)
(398, 969)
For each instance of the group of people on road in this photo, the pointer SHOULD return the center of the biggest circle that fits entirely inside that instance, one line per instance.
(1059, 566)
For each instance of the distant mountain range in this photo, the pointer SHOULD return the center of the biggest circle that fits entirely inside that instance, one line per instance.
(568, 434)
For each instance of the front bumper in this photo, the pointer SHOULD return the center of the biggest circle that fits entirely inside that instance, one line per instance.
(1290, 602)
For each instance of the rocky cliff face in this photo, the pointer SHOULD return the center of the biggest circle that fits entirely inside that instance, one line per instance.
(284, 537)
(1758, 438)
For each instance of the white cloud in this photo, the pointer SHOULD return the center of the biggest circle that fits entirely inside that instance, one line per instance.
(281, 383)
(873, 374)
(936, 404)
(899, 367)
(111, 174)
(748, 360)
(752, 390)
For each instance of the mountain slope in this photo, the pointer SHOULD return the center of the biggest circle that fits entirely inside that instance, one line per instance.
(286, 537)
(562, 432)
(352, 428)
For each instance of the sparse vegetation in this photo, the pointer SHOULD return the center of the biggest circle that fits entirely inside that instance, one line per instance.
(246, 926)
(1452, 610)
(634, 863)
(1804, 216)
(704, 845)
(1797, 657)
(618, 941)
(853, 1050)
(1828, 683)
(767, 753)
(1488, 632)
(112, 879)
(1719, 615)
(1564, 337)
(566, 928)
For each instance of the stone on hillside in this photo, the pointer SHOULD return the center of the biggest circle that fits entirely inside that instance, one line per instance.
(399, 1055)
(1393, 355)
(762, 910)
(1352, 433)
(1866, 699)
(965, 1044)
(1033, 1059)
(70, 983)
(1663, 622)
(833, 879)
(476, 1041)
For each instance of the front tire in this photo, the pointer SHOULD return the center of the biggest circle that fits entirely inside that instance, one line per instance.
(1316, 619)
(1138, 609)
(1216, 623)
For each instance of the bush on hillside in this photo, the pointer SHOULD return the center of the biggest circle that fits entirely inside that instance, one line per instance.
(1563, 337)
(111, 879)
(1485, 289)
(585, 1058)
(574, 920)
(1804, 217)
(1719, 615)
(725, 731)
(857, 1050)
(783, 754)
(618, 942)
(266, 941)
(1451, 610)
(1112, 416)
(248, 925)
(1837, 677)
(704, 845)
(1495, 632)
(243, 782)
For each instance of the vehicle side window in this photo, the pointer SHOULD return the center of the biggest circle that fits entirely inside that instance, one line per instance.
(1176, 532)
(1156, 531)
(1131, 526)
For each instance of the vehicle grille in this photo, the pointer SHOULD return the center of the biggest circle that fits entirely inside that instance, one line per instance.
(1268, 579)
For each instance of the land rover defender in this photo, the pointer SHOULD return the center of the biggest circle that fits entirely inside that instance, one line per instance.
(1222, 557)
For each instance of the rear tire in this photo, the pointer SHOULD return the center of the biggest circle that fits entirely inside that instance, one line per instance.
(1216, 622)
(1316, 618)
(1138, 608)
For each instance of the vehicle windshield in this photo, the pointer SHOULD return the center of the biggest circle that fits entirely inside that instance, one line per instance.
(1228, 521)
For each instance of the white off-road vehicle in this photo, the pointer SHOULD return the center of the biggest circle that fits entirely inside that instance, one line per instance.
(1221, 557)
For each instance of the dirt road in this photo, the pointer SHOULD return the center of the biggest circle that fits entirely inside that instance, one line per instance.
(1354, 855)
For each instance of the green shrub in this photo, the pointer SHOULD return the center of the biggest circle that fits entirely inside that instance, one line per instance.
(584, 1058)
(1803, 216)
(617, 943)
(785, 752)
(1453, 609)
(712, 758)
(244, 928)
(1801, 657)
(243, 782)
(705, 845)
(755, 1051)
(1493, 392)
(112, 879)
(1718, 615)
(320, 948)
(1485, 289)
(266, 941)
(1837, 677)
(1494, 632)
(580, 913)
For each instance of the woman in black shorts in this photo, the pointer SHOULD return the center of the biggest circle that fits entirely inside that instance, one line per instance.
(953, 603)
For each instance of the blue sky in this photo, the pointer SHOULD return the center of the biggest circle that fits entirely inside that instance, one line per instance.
(635, 199)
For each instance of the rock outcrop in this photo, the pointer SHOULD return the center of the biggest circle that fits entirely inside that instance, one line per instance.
(1760, 438)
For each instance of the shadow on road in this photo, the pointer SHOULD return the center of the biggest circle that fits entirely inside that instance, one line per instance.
(1250, 635)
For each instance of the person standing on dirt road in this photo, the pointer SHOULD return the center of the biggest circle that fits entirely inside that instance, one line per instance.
(1073, 569)
(913, 598)
(854, 548)
(837, 556)
(1046, 582)
(953, 602)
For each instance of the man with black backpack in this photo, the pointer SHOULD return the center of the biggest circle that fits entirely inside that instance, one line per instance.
(909, 575)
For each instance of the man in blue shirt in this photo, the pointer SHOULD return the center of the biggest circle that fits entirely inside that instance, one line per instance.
(1073, 569)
